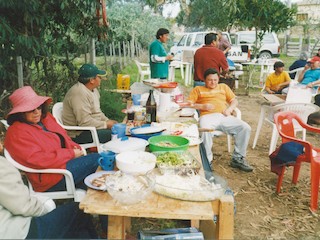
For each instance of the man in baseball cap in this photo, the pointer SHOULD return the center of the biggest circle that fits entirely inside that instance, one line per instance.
(90, 71)
(81, 106)
(311, 73)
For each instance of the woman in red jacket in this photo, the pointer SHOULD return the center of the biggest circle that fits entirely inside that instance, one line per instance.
(36, 140)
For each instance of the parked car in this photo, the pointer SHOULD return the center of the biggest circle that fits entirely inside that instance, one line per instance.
(194, 40)
(270, 47)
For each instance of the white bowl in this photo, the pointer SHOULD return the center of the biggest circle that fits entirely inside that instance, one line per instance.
(136, 162)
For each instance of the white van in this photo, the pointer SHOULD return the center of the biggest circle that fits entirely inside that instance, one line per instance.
(270, 47)
(194, 40)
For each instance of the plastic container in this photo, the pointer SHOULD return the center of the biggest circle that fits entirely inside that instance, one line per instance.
(168, 143)
(135, 162)
(123, 81)
(143, 136)
(129, 189)
(177, 162)
(131, 144)
(189, 188)
(139, 88)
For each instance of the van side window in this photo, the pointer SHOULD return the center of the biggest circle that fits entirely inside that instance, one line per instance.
(189, 39)
(182, 40)
(268, 38)
(199, 40)
(247, 38)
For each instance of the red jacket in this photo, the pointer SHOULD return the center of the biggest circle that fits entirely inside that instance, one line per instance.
(34, 147)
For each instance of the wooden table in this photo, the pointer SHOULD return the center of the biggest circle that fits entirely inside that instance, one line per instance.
(200, 214)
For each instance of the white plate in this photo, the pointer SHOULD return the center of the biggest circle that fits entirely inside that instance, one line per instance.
(187, 112)
(147, 130)
(193, 141)
(92, 176)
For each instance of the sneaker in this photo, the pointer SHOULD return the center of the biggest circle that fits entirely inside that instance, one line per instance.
(241, 163)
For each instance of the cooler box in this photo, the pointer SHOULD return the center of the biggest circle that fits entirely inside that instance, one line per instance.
(123, 81)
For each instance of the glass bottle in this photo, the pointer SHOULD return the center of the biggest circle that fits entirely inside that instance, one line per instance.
(151, 108)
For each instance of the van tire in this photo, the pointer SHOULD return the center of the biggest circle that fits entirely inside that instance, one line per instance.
(265, 55)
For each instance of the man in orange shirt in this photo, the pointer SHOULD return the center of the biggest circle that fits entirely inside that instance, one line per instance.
(216, 103)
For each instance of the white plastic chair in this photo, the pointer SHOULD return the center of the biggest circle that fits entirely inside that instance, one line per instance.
(266, 115)
(144, 70)
(4, 122)
(70, 192)
(266, 69)
(57, 113)
(297, 71)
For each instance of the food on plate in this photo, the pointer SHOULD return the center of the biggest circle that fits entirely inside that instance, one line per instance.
(170, 159)
(129, 189)
(177, 132)
(189, 188)
(166, 144)
(100, 181)
(181, 163)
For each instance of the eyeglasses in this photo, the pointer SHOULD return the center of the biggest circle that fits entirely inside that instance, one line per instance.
(32, 111)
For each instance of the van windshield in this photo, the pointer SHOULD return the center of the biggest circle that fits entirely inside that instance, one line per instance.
(182, 40)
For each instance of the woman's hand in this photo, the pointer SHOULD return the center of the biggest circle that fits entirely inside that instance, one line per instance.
(78, 152)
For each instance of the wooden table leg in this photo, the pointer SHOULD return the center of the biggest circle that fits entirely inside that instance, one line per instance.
(225, 224)
(195, 223)
(118, 226)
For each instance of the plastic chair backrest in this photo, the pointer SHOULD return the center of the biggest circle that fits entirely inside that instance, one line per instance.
(303, 110)
(57, 113)
(70, 192)
(4, 122)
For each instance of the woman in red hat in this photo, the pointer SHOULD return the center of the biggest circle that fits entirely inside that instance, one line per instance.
(36, 140)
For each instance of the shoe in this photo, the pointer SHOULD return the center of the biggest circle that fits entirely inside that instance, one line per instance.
(241, 163)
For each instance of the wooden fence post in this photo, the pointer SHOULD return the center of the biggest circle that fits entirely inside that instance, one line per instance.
(20, 71)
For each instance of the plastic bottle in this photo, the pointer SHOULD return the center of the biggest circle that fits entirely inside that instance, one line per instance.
(151, 108)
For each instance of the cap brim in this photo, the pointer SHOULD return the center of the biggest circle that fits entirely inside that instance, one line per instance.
(102, 73)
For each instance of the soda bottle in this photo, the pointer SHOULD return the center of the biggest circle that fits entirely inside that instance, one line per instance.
(151, 108)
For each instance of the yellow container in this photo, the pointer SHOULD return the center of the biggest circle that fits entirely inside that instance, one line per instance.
(123, 82)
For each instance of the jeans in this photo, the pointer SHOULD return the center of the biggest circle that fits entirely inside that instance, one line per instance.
(66, 221)
(104, 136)
(80, 168)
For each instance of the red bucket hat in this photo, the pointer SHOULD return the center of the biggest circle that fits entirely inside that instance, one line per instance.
(25, 99)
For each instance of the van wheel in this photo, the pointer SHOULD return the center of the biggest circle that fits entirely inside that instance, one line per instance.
(265, 55)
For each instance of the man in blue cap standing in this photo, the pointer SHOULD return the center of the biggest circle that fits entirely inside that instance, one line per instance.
(81, 106)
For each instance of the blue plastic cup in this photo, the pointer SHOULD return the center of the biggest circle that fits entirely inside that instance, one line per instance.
(106, 161)
(119, 129)
(136, 99)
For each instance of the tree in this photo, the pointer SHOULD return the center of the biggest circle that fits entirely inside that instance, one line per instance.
(48, 34)
(130, 21)
(261, 15)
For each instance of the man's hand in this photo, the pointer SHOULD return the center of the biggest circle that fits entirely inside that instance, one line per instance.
(110, 123)
(169, 57)
(206, 106)
(228, 112)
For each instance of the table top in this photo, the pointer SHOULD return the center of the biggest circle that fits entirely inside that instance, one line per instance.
(155, 206)
(274, 98)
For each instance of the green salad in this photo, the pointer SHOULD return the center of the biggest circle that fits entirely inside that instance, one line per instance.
(170, 159)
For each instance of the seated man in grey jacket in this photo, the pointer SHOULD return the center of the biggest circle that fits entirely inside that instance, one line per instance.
(81, 106)
(24, 216)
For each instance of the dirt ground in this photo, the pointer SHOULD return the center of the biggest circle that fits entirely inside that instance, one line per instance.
(260, 212)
